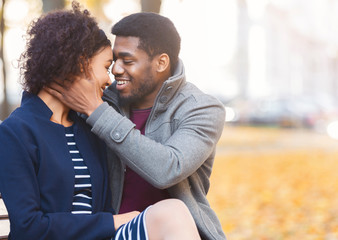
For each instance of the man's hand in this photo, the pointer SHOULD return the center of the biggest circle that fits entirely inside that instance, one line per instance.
(121, 219)
(83, 95)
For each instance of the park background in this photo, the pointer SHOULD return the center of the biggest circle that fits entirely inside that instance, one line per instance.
(274, 65)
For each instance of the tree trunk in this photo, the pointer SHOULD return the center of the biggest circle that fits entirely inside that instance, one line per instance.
(49, 5)
(4, 110)
(243, 48)
(151, 6)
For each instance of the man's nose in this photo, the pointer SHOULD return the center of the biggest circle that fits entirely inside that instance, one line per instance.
(117, 68)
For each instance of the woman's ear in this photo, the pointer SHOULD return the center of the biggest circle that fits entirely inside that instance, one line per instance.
(86, 69)
(84, 66)
(163, 63)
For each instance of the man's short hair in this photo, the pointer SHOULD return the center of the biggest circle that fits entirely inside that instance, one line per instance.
(157, 34)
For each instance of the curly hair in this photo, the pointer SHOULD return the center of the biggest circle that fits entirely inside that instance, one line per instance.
(157, 34)
(59, 46)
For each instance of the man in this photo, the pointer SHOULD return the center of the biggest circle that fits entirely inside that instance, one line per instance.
(161, 130)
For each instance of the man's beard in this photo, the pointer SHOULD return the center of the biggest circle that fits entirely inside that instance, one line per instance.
(137, 95)
(124, 101)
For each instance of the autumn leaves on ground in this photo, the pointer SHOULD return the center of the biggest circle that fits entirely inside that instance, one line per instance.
(276, 184)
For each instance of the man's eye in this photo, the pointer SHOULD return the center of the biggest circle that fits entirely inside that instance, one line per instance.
(127, 61)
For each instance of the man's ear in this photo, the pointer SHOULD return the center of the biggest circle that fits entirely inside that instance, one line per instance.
(163, 63)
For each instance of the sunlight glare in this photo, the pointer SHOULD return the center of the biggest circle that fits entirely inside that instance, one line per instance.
(332, 130)
(14, 13)
(208, 40)
(115, 10)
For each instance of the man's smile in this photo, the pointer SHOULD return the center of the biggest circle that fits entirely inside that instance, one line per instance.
(121, 82)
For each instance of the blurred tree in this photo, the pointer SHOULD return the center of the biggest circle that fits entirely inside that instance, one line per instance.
(96, 7)
(151, 5)
(49, 5)
(4, 110)
(242, 55)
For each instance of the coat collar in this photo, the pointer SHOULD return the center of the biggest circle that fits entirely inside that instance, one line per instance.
(37, 106)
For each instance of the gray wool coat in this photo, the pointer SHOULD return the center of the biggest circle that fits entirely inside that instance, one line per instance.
(177, 151)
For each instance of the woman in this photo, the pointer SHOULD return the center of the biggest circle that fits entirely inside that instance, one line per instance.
(53, 174)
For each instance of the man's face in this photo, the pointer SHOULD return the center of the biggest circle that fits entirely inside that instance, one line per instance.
(135, 73)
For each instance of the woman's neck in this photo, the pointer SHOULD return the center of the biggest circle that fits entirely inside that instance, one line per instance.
(60, 111)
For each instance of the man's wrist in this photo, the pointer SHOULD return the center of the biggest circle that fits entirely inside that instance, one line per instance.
(96, 114)
(92, 108)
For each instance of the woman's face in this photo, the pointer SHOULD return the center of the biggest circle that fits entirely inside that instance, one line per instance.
(99, 65)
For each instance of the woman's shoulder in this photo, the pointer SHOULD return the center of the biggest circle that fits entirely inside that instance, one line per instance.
(17, 117)
(16, 133)
(21, 121)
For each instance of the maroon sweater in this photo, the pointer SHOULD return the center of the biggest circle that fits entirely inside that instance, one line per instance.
(137, 193)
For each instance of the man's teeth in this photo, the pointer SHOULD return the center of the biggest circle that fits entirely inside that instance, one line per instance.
(121, 82)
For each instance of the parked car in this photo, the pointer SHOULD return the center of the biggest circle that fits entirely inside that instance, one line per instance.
(287, 112)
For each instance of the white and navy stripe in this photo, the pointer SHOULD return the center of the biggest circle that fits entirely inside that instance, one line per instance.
(134, 229)
(82, 200)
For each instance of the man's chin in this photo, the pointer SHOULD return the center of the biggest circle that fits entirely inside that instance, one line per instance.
(124, 101)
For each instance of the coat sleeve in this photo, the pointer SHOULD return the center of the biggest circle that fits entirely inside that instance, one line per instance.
(164, 164)
(20, 191)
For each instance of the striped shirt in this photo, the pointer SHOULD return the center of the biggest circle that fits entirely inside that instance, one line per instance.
(82, 200)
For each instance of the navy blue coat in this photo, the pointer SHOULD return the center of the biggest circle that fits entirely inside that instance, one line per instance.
(37, 176)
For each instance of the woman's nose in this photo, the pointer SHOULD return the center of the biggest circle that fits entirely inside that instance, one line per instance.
(109, 81)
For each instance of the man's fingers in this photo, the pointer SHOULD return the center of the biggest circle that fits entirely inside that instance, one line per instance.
(56, 87)
(54, 92)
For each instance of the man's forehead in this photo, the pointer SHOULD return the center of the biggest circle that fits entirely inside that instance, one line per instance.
(124, 46)
(127, 40)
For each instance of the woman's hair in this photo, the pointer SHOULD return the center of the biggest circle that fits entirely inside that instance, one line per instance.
(59, 46)
(157, 34)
